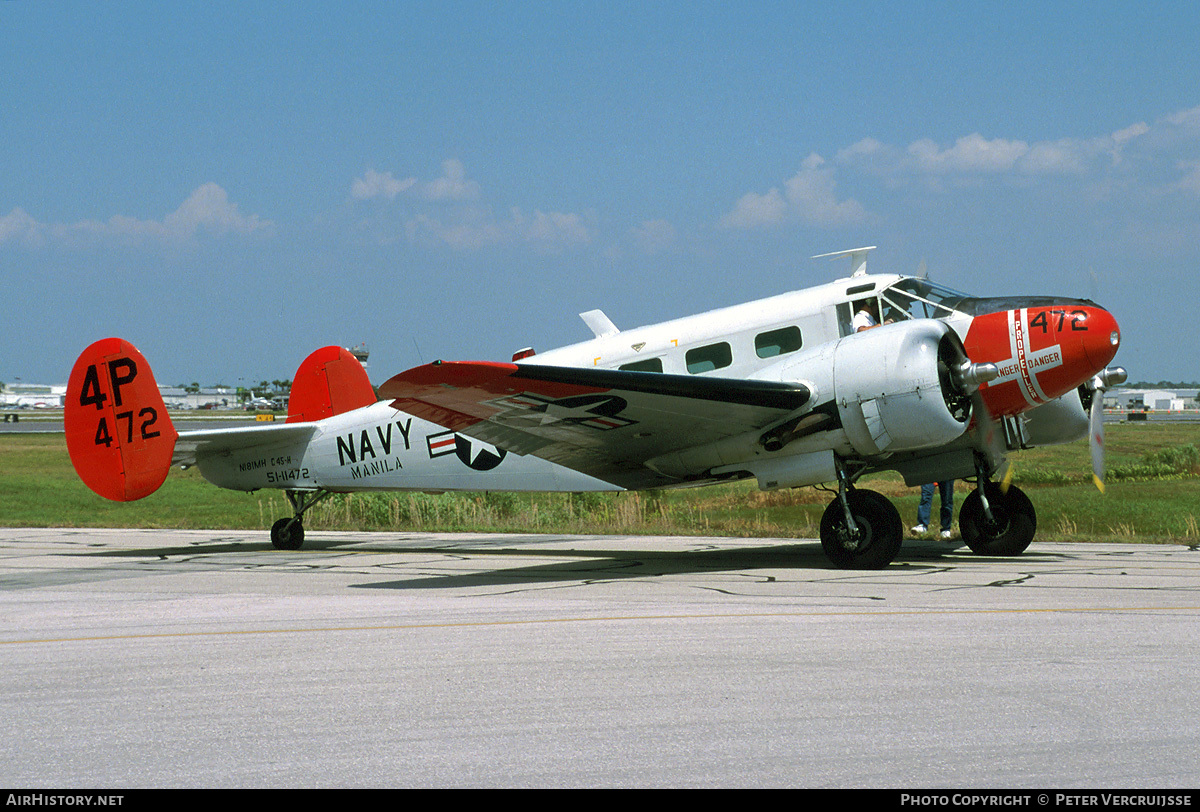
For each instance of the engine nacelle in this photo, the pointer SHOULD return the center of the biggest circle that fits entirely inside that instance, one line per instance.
(896, 389)
(1063, 420)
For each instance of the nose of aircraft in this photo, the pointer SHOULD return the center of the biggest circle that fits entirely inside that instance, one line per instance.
(1102, 338)
(1042, 351)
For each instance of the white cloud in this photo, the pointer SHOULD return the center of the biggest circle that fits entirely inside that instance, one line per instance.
(206, 211)
(448, 211)
(1065, 156)
(1187, 119)
(1156, 158)
(554, 229)
(811, 193)
(452, 186)
(809, 196)
(972, 153)
(379, 184)
(1131, 132)
(17, 225)
(754, 210)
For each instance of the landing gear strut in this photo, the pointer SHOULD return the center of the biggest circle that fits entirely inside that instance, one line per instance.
(860, 529)
(288, 534)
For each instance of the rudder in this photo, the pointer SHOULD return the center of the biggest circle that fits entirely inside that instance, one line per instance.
(330, 381)
(119, 434)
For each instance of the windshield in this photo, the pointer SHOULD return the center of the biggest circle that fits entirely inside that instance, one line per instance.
(919, 299)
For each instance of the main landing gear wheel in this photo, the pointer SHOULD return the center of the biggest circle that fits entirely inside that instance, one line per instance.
(287, 534)
(876, 538)
(1014, 521)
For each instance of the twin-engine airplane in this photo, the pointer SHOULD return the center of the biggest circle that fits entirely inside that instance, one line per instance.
(784, 389)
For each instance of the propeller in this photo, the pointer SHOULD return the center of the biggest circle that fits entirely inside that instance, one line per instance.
(1113, 376)
(969, 378)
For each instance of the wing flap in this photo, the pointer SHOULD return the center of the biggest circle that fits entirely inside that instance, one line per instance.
(606, 423)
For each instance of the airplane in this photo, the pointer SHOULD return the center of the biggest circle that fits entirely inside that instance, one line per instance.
(787, 390)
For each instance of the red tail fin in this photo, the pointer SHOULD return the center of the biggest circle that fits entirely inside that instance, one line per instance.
(119, 434)
(330, 381)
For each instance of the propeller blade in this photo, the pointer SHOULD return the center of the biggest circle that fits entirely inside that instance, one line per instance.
(1096, 438)
(1006, 480)
(1113, 376)
(989, 434)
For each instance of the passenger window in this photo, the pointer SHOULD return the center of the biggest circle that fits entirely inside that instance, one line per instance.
(649, 365)
(706, 359)
(777, 342)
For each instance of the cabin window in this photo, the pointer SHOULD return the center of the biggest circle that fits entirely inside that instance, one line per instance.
(648, 365)
(777, 342)
(706, 359)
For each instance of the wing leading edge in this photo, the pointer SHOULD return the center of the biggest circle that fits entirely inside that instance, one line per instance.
(611, 424)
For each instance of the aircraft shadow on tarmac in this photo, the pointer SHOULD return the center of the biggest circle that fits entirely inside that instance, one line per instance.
(609, 565)
(582, 565)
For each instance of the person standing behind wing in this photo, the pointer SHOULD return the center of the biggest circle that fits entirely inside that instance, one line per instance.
(925, 508)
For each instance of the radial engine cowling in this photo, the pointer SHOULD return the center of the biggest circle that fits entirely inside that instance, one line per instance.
(903, 387)
(1063, 420)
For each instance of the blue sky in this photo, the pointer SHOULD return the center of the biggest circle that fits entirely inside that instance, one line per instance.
(231, 185)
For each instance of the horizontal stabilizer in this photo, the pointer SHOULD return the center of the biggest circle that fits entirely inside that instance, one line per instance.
(192, 445)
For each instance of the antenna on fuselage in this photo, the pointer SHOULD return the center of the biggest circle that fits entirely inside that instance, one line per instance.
(599, 323)
(858, 259)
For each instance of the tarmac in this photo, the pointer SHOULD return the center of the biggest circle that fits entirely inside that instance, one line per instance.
(147, 658)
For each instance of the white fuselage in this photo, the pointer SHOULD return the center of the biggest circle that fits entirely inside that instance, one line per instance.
(755, 333)
(378, 448)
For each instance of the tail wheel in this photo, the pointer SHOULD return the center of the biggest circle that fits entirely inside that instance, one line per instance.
(876, 538)
(1013, 525)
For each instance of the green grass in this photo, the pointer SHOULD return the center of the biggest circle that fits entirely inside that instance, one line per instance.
(1157, 501)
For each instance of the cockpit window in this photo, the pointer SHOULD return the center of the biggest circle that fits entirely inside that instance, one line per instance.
(919, 299)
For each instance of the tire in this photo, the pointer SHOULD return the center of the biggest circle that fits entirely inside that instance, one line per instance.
(879, 525)
(287, 534)
(1013, 530)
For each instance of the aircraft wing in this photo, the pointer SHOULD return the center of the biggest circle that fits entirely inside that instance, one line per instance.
(194, 444)
(602, 422)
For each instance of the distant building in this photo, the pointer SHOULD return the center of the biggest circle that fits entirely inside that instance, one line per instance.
(33, 396)
(1153, 399)
(212, 397)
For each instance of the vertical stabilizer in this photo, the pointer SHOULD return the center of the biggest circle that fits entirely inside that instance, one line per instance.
(330, 381)
(119, 434)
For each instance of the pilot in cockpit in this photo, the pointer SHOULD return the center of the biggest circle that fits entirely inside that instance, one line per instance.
(866, 315)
